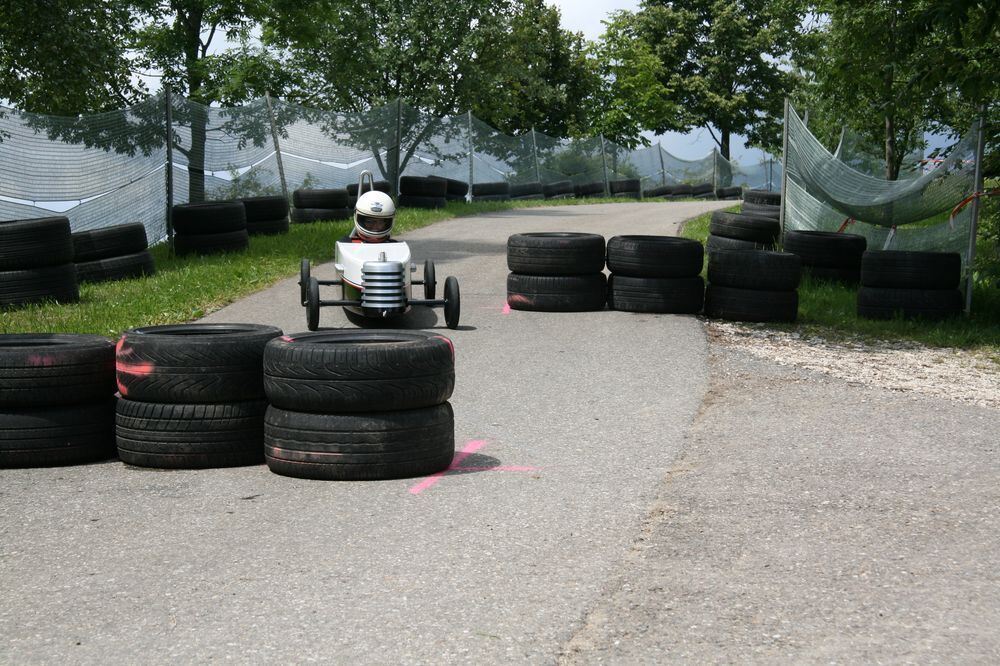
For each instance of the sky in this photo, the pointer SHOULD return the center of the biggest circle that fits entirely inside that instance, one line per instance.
(585, 16)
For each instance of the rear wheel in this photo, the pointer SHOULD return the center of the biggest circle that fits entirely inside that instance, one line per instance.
(312, 305)
(452, 302)
(305, 271)
(430, 281)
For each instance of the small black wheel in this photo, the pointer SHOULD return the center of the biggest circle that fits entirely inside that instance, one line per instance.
(312, 306)
(305, 272)
(430, 282)
(452, 302)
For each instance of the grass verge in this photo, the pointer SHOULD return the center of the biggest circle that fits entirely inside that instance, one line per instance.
(830, 310)
(185, 289)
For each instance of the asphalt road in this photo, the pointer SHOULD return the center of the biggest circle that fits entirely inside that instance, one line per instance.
(588, 412)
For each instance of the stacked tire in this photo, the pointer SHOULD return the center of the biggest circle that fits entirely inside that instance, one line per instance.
(266, 215)
(703, 191)
(321, 205)
(210, 228)
(358, 405)
(36, 262)
(421, 192)
(753, 285)
(592, 189)
(728, 192)
(682, 191)
(112, 253)
(498, 191)
(57, 401)
(828, 256)
(659, 191)
(762, 203)
(658, 274)
(457, 189)
(526, 191)
(627, 188)
(561, 189)
(740, 231)
(192, 395)
(556, 272)
(914, 285)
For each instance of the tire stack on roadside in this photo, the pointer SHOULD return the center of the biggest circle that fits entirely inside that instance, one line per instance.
(36, 262)
(210, 228)
(734, 192)
(628, 188)
(828, 256)
(356, 405)
(561, 189)
(740, 231)
(556, 272)
(321, 205)
(525, 191)
(266, 215)
(659, 191)
(457, 189)
(498, 191)
(592, 189)
(762, 203)
(753, 285)
(681, 191)
(192, 395)
(112, 253)
(910, 284)
(703, 191)
(658, 274)
(57, 399)
(422, 192)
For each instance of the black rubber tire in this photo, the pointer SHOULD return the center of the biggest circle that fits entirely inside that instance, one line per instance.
(762, 197)
(312, 305)
(209, 218)
(384, 445)
(721, 244)
(179, 436)
(626, 195)
(34, 285)
(529, 197)
(380, 186)
(744, 227)
(702, 188)
(734, 192)
(761, 210)
(659, 191)
(518, 190)
(491, 197)
(329, 199)
(430, 280)
(846, 276)
(308, 215)
(750, 304)
(421, 186)
(455, 197)
(934, 304)
(124, 267)
(682, 191)
(553, 293)
(897, 269)
(37, 243)
(305, 272)
(51, 369)
(193, 363)
(655, 256)
(827, 249)
(352, 370)
(456, 189)
(67, 435)
(592, 189)
(480, 190)
(624, 186)
(453, 302)
(268, 227)
(555, 253)
(657, 295)
(416, 201)
(560, 188)
(265, 208)
(116, 241)
(755, 269)
(207, 244)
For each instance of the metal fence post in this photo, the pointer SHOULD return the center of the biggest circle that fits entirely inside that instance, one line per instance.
(534, 152)
(472, 157)
(784, 172)
(974, 226)
(394, 168)
(169, 133)
(715, 167)
(277, 146)
(663, 169)
(604, 166)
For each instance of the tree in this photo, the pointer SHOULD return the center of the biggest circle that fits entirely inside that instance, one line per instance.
(724, 63)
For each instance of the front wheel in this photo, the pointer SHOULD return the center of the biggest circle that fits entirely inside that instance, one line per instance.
(305, 271)
(452, 302)
(430, 281)
(312, 305)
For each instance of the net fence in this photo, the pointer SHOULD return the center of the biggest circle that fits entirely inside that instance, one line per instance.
(111, 168)
(823, 193)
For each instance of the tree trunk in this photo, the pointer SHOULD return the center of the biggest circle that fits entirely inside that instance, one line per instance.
(196, 154)
(724, 142)
(891, 163)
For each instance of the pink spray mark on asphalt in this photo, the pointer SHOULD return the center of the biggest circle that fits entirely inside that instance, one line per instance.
(506, 308)
(456, 467)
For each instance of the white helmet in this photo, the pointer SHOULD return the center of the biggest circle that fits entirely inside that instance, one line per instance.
(374, 214)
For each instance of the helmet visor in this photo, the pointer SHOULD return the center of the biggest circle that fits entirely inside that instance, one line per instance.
(374, 225)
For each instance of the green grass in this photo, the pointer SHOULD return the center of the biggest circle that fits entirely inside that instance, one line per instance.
(185, 289)
(830, 310)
